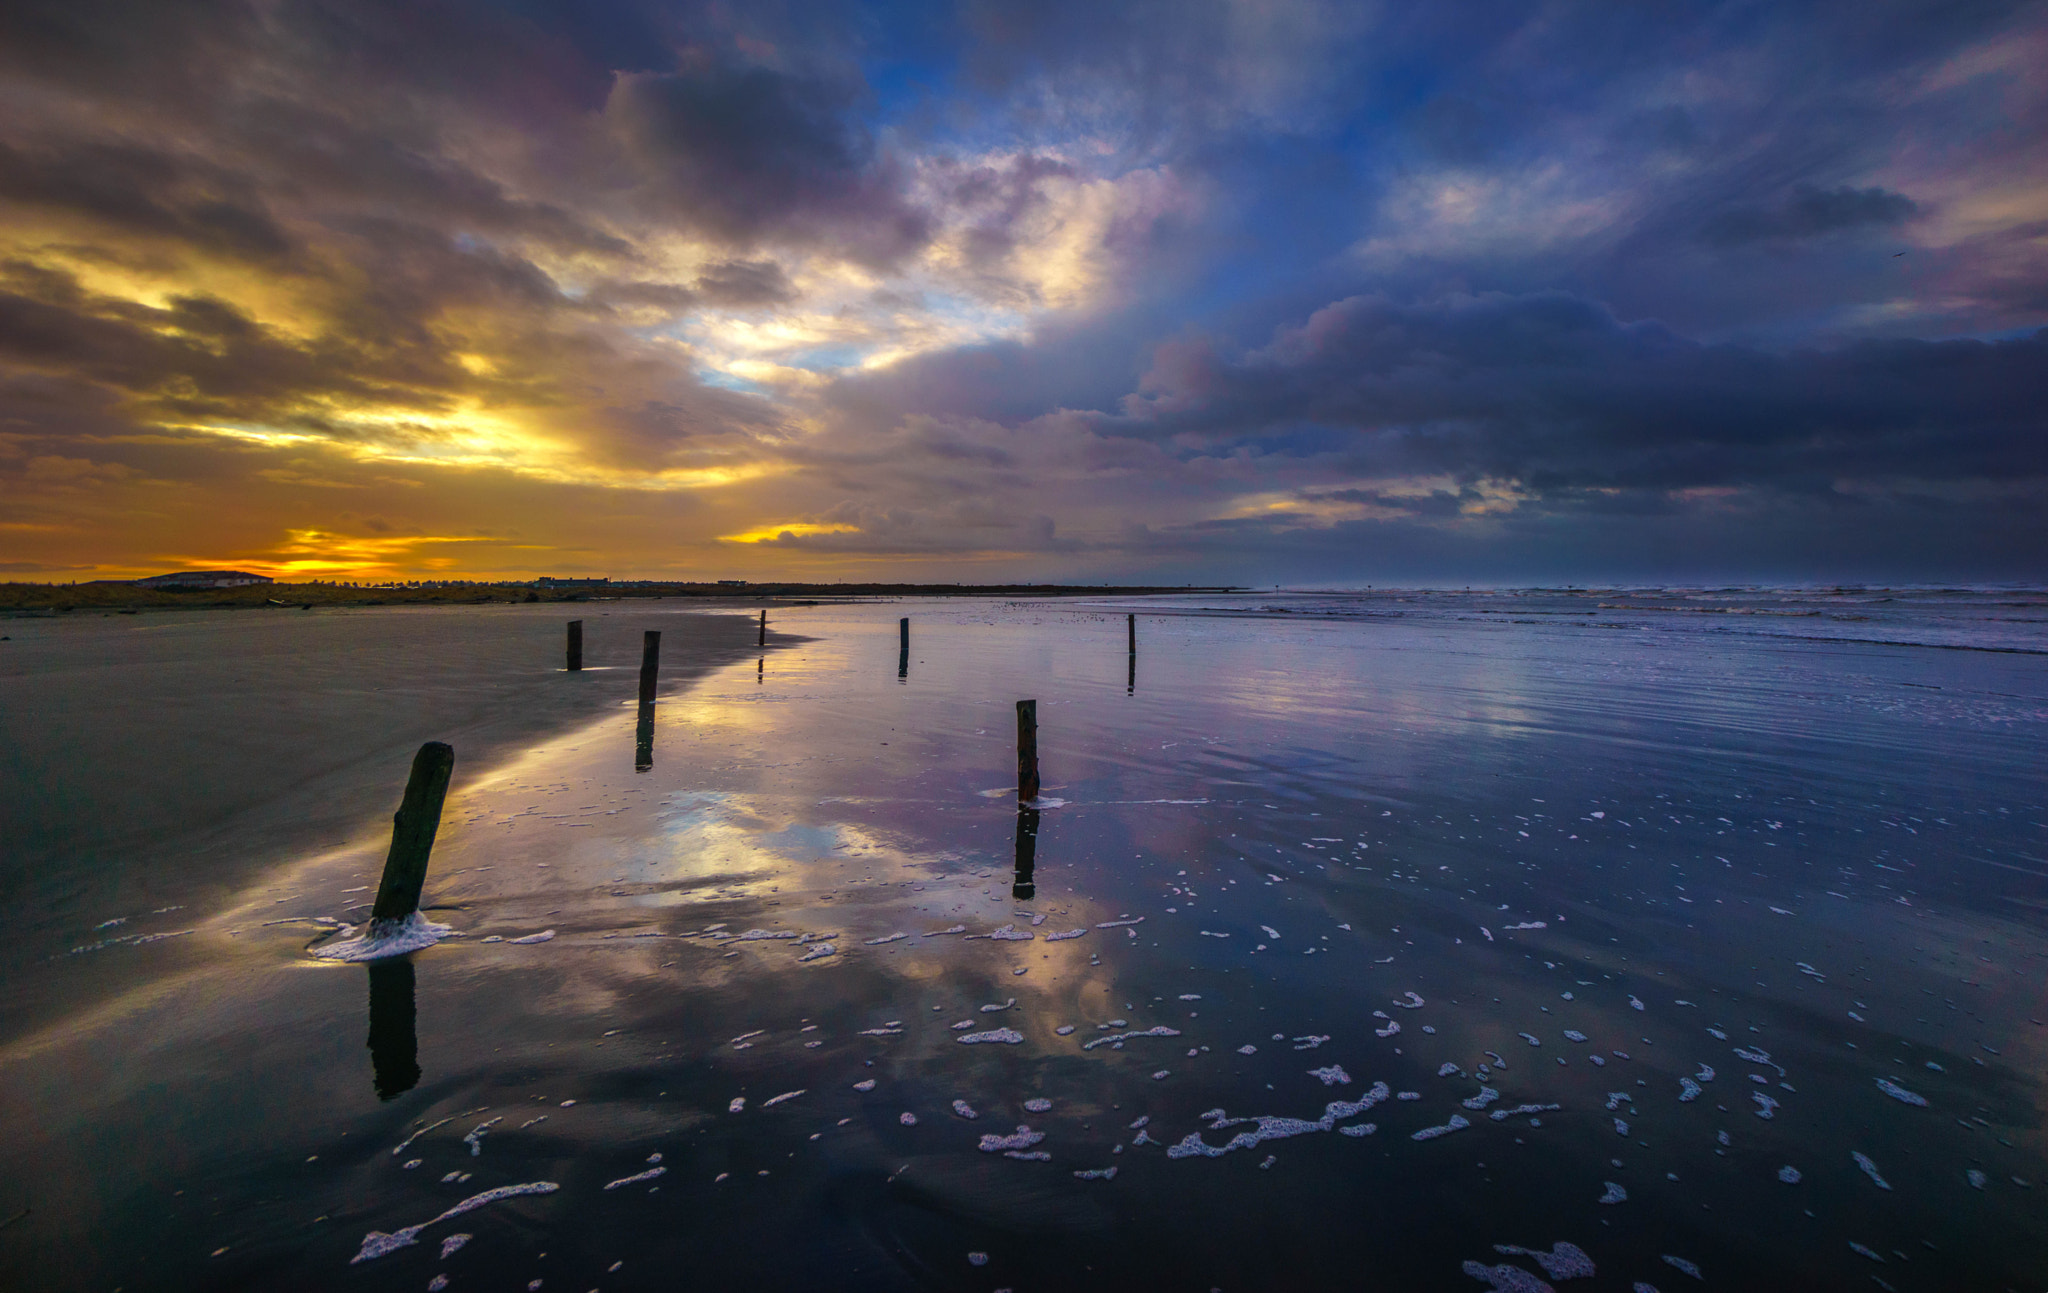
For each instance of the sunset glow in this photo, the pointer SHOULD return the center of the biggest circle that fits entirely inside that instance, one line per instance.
(1269, 292)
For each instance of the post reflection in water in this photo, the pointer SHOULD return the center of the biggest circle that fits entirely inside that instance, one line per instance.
(903, 664)
(1131, 678)
(643, 738)
(760, 671)
(1021, 886)
(394, 1039)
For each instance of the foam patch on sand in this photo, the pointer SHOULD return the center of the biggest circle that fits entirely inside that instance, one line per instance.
(1272, 1128)
(1006, 1036)
(380, 939)
(377, 1243)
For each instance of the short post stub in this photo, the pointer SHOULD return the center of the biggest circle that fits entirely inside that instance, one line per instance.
(1027, 750)
(764, 628)
(903, 633)
(650, 665)
(575, 645)
(412, 833)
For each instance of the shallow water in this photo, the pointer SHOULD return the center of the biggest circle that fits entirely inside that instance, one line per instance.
(1428, 841)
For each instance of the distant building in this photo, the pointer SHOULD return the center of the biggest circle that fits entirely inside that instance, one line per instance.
(203, 579)
(548, 581)
(732, 583)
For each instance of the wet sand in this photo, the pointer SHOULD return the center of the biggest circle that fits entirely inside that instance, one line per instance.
(1496, 867)
(166, 759)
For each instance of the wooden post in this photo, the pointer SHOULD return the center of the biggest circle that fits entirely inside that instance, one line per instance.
(1131, 623)
(575, 645)
(650, 665)
(764, 628)
(903, 633)
(412, 834)
(1027, 751)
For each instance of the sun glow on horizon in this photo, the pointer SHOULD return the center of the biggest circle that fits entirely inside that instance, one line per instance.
(795, 529)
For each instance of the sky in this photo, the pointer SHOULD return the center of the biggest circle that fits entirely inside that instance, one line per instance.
(1247, 291)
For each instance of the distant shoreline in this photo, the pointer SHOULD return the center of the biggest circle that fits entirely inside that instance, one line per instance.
(113, 596)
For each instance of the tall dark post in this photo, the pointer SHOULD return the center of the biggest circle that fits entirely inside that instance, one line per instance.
(643, 738)
(1021, 886)
(764, 628)
(412, 835)
(903, 633)
(575, 645)
(650, 665)
(1027, 751)
(394, 1035)
(1131, 669)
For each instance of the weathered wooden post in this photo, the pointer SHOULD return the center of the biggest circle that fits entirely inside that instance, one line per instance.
(1027, 751)
(903, 634)
(1131, 623)
(575, 645)
(1022, 887)
(650, 665)
(764, 628)
(412, 836)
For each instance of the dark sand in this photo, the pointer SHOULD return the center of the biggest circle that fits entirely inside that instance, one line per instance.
(168, 758)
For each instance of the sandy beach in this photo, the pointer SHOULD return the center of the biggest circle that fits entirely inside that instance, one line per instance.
(165, 759)
(1369, 936)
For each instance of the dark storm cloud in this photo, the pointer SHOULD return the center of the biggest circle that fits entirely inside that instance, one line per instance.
(1809, 213)
(1006, 381)
(140, 45)
(134, 190)
(321, 158)
(993, 200)
(745, 282)
(746, 153)
(1554, 393)
(1910, 538)
(196, 353)
(1437, 502)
